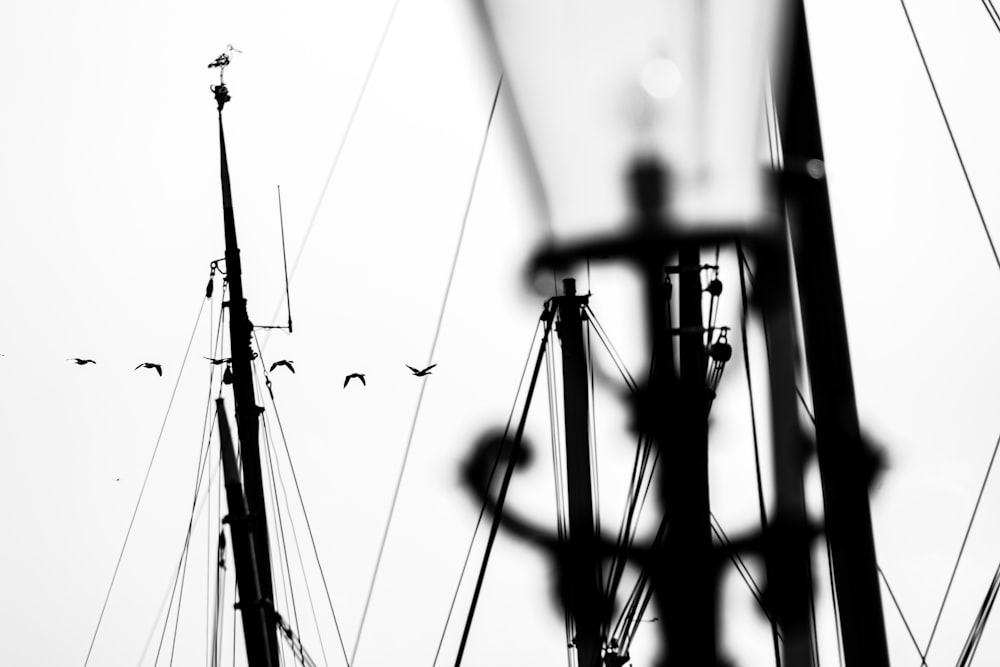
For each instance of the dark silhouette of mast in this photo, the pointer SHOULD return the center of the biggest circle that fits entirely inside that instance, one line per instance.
(255, 616)
(685, 565)
(846, 466)
(247, 411)
(583, 581)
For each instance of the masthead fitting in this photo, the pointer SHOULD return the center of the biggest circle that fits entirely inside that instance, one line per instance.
(221, 95)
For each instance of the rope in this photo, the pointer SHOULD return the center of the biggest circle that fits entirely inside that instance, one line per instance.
(423, 385)
(142, 489)
(482, 509)
(951, 135)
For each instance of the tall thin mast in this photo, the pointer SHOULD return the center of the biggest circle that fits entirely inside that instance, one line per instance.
(247, 411)
(683, 566)
(840, 452)
(255, 615)
(584, 585)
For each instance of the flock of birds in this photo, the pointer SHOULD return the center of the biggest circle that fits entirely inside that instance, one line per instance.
(361, 376)
(226, 360)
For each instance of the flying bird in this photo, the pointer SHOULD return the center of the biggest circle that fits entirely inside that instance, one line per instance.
(360, 376)
(148, 364)
(283, 362)
(216, 362)
(420, 374)
(80, 362)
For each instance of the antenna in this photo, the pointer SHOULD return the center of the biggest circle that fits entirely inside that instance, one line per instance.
(284, 259)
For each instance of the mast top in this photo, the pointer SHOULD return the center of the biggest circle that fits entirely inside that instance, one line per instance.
(223, 61)
(221, 95)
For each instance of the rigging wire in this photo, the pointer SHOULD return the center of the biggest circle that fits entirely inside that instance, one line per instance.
(482, 509)
(180, 578)
(900, 610)
(298, 491)
(951, 135)
(340, 149)
(615, 357)
(203, 459)
(278, 479)
(169, 589)
(762, 507)
(271, 456)
(142, 488)
(961, 551)
(979, 625)
(284, 260)
(502, 494)
(423, 385)
(639, 486)
(559, 479)
(992, 11)
(626, 532)
(208, 422)
(742, 568)
(643, 450)
(595, 479)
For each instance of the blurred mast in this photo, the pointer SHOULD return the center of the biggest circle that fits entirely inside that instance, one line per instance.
(845, 467)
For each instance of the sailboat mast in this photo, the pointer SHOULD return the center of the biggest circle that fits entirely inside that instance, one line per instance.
(255, 616)
(844, 465)
(584, 584)
(684, 579)
(247, 411)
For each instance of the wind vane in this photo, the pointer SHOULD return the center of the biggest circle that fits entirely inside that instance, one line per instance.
(223, 60)
(221, 92)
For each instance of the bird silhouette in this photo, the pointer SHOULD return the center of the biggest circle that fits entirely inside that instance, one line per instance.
(216, 362)
(283, 362)
(80, 362)
(420, 374)
(360, 376)
(221, 61)
(148, 364)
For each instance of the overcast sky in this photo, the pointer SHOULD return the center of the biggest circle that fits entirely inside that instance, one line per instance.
(112, 215)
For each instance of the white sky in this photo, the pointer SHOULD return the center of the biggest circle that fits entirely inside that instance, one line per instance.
(111, 209)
